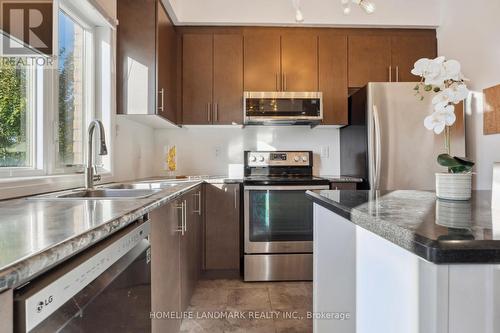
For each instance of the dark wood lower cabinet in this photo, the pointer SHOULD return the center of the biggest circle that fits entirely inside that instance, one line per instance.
(176, 257)
(191, 246)
(222, 227)
(165, 268)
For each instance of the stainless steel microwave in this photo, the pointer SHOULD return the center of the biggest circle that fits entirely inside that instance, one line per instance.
(282, 108)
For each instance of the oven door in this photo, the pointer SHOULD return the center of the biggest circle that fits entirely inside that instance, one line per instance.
(278, 219)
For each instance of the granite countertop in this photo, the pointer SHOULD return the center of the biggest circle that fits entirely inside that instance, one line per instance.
(36, 235)
(437, 230)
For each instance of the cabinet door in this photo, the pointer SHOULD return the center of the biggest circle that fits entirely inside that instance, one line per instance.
(165, 276)
(228, 79)
(299, 61)
(333, 78)
(369, 60)
(408, 49)
(167, 66)
(197, 78)
(136, 57)
(222, 227)
(262, 62)
(190, 263)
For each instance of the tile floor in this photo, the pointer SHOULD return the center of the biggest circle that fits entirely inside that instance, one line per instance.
(260, 307)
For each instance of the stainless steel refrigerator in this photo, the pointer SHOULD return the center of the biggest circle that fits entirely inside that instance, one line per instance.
(386, 142)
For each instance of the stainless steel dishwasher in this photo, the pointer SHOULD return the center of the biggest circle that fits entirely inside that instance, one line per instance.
(106, 288)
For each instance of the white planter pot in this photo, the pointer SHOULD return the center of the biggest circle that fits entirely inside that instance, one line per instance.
(454, 186)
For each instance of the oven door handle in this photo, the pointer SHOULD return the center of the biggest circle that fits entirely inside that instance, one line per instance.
(287, 188)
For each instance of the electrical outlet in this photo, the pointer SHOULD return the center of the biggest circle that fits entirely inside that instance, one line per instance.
(325, 152)
(217, 151)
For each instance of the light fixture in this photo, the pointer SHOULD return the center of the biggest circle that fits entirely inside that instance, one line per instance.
(366, 5)
(299, 17)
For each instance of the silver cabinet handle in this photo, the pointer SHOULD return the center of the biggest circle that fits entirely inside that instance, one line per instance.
(390, 73)
(284, 82)
(276, 76)
(161, 108)
(185, 216)
(181, 228)
(216, 111)
(235, 198)
(198, 211)
(209, 113)
(397, 73)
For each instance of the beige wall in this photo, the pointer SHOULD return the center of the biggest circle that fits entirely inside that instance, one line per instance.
(469, 32)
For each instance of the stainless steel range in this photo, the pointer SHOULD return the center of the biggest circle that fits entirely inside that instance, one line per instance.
(278, 223)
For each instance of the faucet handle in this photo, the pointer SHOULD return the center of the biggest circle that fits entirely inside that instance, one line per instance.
(95, 176)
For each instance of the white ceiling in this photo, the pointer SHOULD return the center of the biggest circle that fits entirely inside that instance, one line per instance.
(389, 13)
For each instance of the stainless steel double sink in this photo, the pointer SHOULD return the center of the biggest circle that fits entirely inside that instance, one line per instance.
(123, 191)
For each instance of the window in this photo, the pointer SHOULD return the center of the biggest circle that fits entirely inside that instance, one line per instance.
(15, 122)
(44, 111)
(72, 108)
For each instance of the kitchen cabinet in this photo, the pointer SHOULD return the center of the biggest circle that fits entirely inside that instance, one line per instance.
(369, 59)
(386, 58)
(176, 256)
(333, 78)
(286, 61)
(262, 61)
(197, 78)
(190, 244)
(7, 311)
(299, 61)
(212, 75)
(165, 268)
(406, 50)
(222, 226)
(146, 61)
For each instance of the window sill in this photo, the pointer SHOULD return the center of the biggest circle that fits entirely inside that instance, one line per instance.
(26, 186)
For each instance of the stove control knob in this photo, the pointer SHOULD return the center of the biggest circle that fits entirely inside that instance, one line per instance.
(253, 158)
(304, 158)
(261, 158)
(296, 159)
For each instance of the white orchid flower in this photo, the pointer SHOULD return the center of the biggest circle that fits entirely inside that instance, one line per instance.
(432, 70)
(455, 93)
(440, 118)
(453, 70)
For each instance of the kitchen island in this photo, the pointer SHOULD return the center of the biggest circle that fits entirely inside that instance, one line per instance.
(403, 261)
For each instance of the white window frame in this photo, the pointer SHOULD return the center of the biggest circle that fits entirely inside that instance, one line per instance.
(45, 172)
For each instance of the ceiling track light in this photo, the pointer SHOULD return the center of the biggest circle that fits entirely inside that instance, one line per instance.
(366, 5)
(299, 17)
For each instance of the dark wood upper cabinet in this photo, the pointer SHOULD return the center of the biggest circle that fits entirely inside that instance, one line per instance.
(212, 72)
(299, 61)
(385, 58)
(408, 49)
(167, 66)
(146, 60)
(136, 56)
(262, 65)
(333, 78)
(369, 59)
(197, 78)
(228, 79)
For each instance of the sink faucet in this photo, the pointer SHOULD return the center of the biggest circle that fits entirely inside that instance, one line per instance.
(90, 169)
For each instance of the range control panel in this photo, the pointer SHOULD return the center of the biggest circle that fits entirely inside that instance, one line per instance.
(278, 158)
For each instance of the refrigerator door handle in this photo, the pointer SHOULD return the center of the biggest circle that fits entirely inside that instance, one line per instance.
(378, 147)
